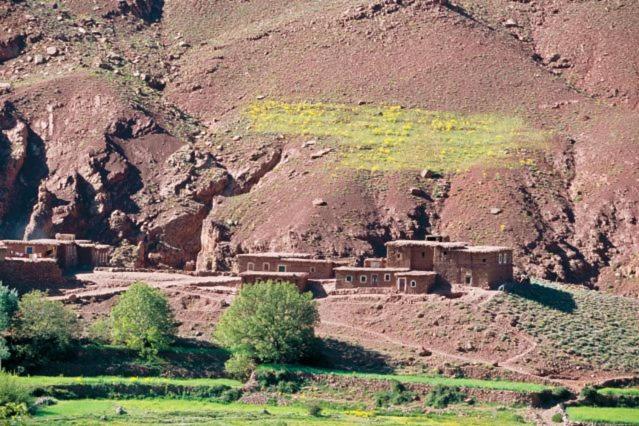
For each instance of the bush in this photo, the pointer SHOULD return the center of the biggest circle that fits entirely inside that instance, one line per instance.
(278, 380)
(270, 322)
(231, 395)
(557, 418)
(397, 395)
(44, 329)
(15, 398)
(239, 366)
(100, 331)
(8, 309)
(314, 410)
(142, 320)
(442, 396)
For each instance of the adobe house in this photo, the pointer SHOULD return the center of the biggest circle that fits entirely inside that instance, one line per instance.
(416, 255)
(375, 262)
(416, 282)
(300, 279)
(286, 262)
(353, 277)
(478, 266)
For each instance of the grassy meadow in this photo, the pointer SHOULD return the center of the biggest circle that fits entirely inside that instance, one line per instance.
(604, 415)
(390, 138)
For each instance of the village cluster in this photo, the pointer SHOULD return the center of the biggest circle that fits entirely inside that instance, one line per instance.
(410, 266)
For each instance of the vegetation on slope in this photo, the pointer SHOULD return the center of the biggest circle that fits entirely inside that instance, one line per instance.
(604, 415)
(394, 138)
(571, 322)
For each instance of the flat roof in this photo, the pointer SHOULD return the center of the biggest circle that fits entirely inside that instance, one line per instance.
(43, 241)
(304, 260)
(276, 254)
(417, 273)
(485, 249)
(423, 243)
(363, 269)
(273, 274)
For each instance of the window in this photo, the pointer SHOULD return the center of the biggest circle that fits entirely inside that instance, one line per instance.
(312, 269)
(469, 279)
(387, 277)
(349, 278)
(505, 258)
(250, 266)
(28, 250)
(281, 268)
(423, 254)
(266, 266)
(363, 279)
(374, 279)
(483, 260)
(413, 283)
(398, 256)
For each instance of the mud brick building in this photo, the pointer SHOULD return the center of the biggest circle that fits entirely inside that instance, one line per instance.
(300, 279)
(410, 266)
(286, 262)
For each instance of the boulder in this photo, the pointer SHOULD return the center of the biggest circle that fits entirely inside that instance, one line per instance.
(319, 202)
(495, 210)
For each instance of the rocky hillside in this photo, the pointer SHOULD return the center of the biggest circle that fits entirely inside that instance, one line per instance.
(187, 131)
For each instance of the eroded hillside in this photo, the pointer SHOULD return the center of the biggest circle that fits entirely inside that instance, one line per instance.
(193, 130)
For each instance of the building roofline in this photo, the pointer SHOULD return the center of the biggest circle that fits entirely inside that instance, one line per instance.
(364, 269)
(424, 243)
(279, 255)
(274, 274)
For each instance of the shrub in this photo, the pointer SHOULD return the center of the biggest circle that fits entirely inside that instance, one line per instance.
(442, 396)
(397, 395)
(239, 366)
(557, 418)
(231, 395)
(270, 322)
(279, 380)
(44, 329)
(100, 331)
(314, 410)
(15, 398)
(142, 320)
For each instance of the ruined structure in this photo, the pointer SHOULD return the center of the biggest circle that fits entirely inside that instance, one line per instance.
(409, 267)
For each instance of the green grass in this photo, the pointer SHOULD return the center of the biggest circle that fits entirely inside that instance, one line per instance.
(619, 391)
(393, 138)
(45, 381)
(167, 411)
(572, 324)
(521, 387)
(604, 415)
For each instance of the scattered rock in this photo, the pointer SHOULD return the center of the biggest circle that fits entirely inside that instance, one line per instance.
(425, 352)
(120, 411)
(5, 88)
(510, 23)
(236, 138)
(417, 192)
(260, 97)
(495, 210)
(319, 202)
(427, 174)
(320, 153)
(309, 143)
(38, 59)
(52, 51)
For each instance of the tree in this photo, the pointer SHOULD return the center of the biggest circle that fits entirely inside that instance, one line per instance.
(44, 328)
(270, 322)
(8, 309)
(142, 320)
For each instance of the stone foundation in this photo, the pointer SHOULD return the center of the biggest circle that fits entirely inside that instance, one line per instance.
(25, 275)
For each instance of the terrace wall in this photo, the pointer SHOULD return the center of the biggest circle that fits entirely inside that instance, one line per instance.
(25, 275)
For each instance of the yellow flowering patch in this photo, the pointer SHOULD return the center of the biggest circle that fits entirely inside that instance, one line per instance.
(395, 138)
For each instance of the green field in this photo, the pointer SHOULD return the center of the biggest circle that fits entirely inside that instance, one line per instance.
(166, 411)
(604, 415)
(577, 325)
(521, 387)
(395, 138)
(619, 391)
(43, 381)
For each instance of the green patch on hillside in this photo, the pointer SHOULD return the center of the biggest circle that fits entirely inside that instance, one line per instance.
(45, 381)
(395, 138)
(599, 330)
(522, 387)
(619, 391)
(604, 415)
(168, 411)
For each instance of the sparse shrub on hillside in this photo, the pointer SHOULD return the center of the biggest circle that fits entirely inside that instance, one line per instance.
(15, 398)
(442, 396)
(270, 322)
(142, 320)
(314, 410)
(100, 330)
(44, 329)
(278, 380)
(239, 366)
(557, 418)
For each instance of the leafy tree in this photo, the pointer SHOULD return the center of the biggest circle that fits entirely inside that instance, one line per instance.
(44, 328)
(270, 322)
(142, 320)
(239, 366)
(15, 397)
(8, 308)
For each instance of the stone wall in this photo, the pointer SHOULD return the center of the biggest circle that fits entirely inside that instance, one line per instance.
(26, 275)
